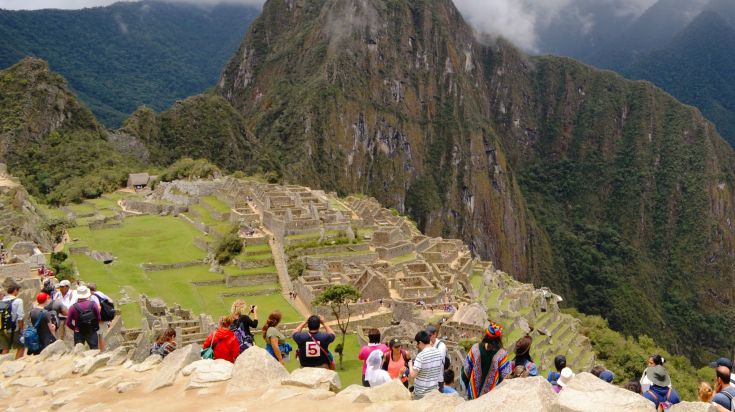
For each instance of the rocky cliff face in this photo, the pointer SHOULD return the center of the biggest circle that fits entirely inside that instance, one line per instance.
(608, 190)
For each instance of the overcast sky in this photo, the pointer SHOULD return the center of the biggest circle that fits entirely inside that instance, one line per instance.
(517, 20)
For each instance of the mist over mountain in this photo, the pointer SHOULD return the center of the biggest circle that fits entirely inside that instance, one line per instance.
(119, 57)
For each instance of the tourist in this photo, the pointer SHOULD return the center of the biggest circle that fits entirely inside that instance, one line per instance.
(607, 376)
(523, 356)
(165, 343)
(726, 363)
(223, 341)
(560, 362)
(565, 376)
(633, 386)
(314, 345)
(64, 294)
(660, 391)
(442, 347)
(98, 298)
(374, 344)
(427, 366)
(243, 322)
(449, 382)
(725, 392)
(374, 374)
(396, 361)
(705, 393)
(486, 365)
(518, 372)
(84, 319)
(652, 361)
(44, 321)
(275, 340)
(11, 319)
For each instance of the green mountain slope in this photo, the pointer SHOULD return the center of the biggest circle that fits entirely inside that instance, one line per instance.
(607, 190)
(51, 141)
(698, 68)
(119, 57)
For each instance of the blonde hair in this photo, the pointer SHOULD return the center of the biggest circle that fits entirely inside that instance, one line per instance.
(705, 392)
(239, 308)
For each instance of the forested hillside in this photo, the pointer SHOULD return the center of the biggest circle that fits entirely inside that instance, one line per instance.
(119, 57)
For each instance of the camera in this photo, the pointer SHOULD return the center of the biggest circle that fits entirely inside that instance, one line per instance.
(252, 308)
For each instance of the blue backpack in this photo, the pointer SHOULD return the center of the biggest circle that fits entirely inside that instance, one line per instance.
(31, 340)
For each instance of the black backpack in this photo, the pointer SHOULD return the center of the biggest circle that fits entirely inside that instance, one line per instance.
(87, 321)
(107, 309)
(6, 316)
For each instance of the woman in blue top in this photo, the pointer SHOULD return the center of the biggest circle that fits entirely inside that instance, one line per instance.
(523, 356)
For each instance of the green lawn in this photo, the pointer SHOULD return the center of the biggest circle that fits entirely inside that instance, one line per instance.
(156, 239)
(250, 258)
(81, 208)
(234, 270)
(257, 249)
(216, 204)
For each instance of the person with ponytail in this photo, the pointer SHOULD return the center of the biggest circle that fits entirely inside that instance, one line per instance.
(486, 365)
(523, 356)
(653, 361)
(275, 340)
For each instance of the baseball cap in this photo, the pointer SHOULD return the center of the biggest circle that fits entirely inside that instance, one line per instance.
(65, 283)
(431, 329)
(42, 297)
(394, 342)
(607, 376)
(721, 362)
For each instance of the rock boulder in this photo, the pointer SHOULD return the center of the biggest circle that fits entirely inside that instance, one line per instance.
(694, 407)
(206, 371)
(148, 364)
(528, 394)
(57, 348)
(314, 378)
(255, 368)
(392, 391)
(586, 392)
(172, 365)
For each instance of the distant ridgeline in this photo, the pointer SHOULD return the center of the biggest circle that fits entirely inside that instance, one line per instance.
(119, 57)
(608, 191)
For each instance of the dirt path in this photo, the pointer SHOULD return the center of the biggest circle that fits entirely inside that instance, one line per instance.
(280, 260)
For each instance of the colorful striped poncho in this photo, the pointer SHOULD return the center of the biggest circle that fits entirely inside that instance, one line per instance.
(499, 369)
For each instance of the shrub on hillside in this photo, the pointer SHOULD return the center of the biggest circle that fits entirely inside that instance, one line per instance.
(187, 168)
(296, 268)
(229, 247)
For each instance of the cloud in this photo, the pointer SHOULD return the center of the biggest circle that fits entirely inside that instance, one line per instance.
(520, 21)
(80, 4)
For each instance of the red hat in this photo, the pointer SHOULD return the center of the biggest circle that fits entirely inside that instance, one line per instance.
(42, 297)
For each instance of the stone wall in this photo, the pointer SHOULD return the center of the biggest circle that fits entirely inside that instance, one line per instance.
(16, 271)
(362, 259)
(152, 267)
(233, 281)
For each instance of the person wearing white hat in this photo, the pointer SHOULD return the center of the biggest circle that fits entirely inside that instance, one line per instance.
(84, 319)
(565, 376)
(65, 297)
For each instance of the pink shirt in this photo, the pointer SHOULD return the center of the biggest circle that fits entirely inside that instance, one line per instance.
(367, 350)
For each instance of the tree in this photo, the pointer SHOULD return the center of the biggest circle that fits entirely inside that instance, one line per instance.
(338, 297)
(229, 247)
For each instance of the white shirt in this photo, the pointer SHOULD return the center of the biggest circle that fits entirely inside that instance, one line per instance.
(429, 365)
(67, 300)
(442, 347)
(16, 309)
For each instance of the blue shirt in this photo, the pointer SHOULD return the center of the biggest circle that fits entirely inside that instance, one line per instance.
(722, 399)
(661, 395)
(448, 389)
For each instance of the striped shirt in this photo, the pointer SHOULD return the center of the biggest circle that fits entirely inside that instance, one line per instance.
(428, 363)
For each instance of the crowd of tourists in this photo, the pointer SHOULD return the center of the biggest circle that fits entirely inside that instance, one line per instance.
(58, 310)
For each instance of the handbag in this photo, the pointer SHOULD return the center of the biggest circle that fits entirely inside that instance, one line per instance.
(208, 353)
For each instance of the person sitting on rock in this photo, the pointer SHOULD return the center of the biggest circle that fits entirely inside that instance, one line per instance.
(652, 361)
(373, 345)
(243, 322)
(314, 345)
(165, 343)
(374, 374)
(486, 365)
(565, 376)
(84, 319)
(560, 362)
(661, 392)
(633, 386)
(725, 392)
(275, 340)
(223, 341)
(523, 356)
(46, 320)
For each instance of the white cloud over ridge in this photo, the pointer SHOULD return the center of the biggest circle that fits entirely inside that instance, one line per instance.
(520, 20)
(80, 4)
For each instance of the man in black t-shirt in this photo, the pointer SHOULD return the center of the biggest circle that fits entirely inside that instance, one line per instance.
(314, 345)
